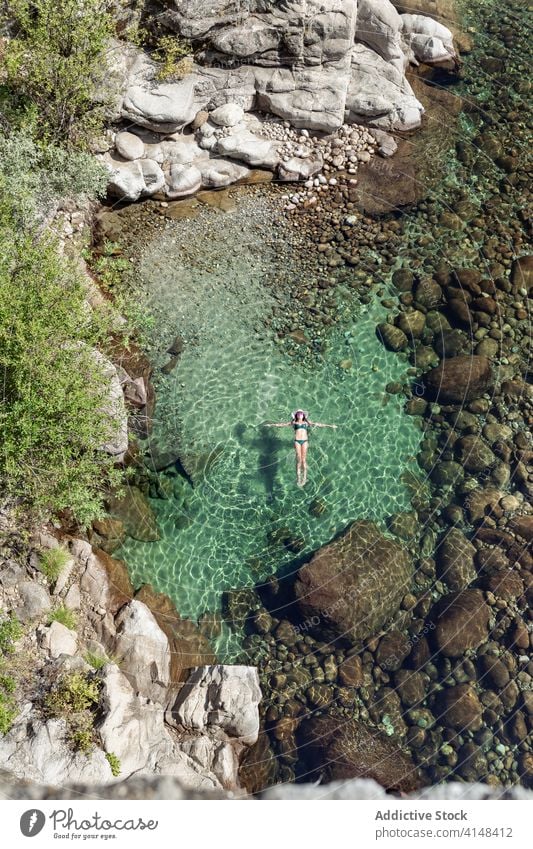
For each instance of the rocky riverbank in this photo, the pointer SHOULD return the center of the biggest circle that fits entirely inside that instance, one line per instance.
(410, 664)
(308, 66)
(101, 676)
(449, 679)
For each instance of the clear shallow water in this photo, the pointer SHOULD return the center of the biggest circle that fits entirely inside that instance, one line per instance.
(224, 532)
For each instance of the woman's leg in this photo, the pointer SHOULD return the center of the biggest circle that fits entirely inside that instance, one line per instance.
(298, 450)
(304, 462)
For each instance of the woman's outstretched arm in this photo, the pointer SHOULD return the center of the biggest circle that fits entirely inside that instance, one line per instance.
(318, 424)
(277, 424)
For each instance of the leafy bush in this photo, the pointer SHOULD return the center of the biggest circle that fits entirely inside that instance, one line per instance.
(81, 732)
(175, 55)
(53, 393)
(73, 699)
(75, 692)
(34, 177)
(10, 631)
(8, 709)
(114, 763)
(52, 562)
(63, 615)
(53, 63)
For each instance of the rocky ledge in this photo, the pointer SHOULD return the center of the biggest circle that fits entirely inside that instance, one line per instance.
(101, 691)
(307, 66)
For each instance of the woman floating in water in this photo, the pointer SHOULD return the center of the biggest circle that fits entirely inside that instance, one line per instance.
(300, 422)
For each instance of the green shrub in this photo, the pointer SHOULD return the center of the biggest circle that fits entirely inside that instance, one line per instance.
(81, 732)
(53, 417)
(10, 631)
(52, 563)
(63, 615)
(73, 699)
(114, 763)
(8, 707)
(98, 661)
(54, 63)
(175, 55)
(33, 177)
(74, 693)
(8, 711)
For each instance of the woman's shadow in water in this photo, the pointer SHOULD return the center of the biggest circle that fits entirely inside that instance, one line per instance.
(268, 445)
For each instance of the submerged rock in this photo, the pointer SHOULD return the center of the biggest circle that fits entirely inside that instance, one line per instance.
(460, 708)
(455, 560)
(348, 749)
(355, 583)
(136, 514)
(459, 379)
(461, 622)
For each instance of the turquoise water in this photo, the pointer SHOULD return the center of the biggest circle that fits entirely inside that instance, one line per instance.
(245, 518)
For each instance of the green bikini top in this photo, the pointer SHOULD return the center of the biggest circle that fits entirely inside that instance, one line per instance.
(297, 425)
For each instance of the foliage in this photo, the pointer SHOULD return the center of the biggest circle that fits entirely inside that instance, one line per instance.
(8, 709)
(34, 177)
(52, 562)
(64, 616)
(114, 763)
(175, 55)
(10, 632)
(75, 692)
(53, 416)
(98, 661)
(115, 275)
(81, 732)
(53, 64)
(73, 699)
(173, 52)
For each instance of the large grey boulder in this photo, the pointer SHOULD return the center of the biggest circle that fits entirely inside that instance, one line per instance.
(227, 115)
(378, 93)
(294, 59)
(183, 180)
(35, 750)
(165, 107)
(269, 32)
(220, 172)
(226, 697)
(154, 179)
(379, 26)
(126, 180)
(308, 97)
(58, 640)
(245, 146)
(113, 407)
(430, 41)
(35, 601)
(218, 719)
(143, 650)
(129, 145)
